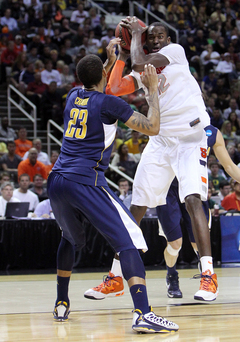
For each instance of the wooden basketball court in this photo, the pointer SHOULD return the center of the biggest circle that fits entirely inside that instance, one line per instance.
(27, 302)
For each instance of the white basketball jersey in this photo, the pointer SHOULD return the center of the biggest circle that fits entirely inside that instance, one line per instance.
(180, 99)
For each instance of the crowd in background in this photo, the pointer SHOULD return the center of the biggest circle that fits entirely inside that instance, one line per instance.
(40, 46)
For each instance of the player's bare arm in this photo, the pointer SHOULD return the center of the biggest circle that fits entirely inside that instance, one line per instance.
(149, 125)
(111, 56)
(138, 56)
(224, 158)
(118, 85)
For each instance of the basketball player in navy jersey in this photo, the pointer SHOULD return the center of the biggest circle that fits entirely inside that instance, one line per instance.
(78, 189)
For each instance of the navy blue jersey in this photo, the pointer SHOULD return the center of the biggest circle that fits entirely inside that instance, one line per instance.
(90, 122)
(211, 133)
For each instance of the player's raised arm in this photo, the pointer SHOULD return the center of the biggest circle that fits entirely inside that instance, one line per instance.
(224, 158)
(149, 125)
(118, 85)
(154, 42)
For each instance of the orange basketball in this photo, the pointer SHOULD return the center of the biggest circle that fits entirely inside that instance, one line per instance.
(124, 35)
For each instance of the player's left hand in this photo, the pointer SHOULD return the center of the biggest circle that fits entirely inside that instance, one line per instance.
(150, 78)
(111, 49)
(132, 24)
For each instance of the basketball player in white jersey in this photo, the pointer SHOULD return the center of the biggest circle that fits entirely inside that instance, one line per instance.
(180, 148)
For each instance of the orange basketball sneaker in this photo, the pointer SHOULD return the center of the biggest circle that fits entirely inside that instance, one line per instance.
(110, 287)
(208, 290)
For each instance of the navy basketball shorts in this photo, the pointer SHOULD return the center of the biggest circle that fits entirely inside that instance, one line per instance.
(73, 203)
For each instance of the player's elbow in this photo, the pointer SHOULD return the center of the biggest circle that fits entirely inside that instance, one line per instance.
(154, 130)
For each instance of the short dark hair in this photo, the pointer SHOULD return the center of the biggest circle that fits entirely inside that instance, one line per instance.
(121, 180)
(223, 183)
(24, 175)
(89, 70)
(157, 23)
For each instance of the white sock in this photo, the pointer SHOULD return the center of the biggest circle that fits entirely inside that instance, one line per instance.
(116, 268)
(207, 264)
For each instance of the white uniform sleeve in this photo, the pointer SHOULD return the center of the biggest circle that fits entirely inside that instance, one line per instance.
(174, 53)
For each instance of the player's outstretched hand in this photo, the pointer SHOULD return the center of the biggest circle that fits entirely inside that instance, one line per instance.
(111, 48)
(149, 77)
(132, 24)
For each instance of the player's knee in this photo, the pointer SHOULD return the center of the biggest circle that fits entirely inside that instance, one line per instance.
(192, 202)
(174, 248)
(132, 264)
(138, 212)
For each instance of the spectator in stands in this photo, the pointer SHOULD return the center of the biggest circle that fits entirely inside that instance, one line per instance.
(216, 119)
(232, 201)
(142, 145)
(24, 194)
(208, 83)
(209, 58)
(84, 45)
(77, 39)
(32, 166)
(52, 9)
(79, 15)
(18, 67)
(234, 155)
(214, 177)
(233, 107)
(53, 159)
(210, 104)
(66, 30)
(51, 105)
(101, 29)
(95, 18)
(49, 74)
(228, 135)
(63, 56)
(54, 58)
(66, 76)
(10, 161)
(235, 43)
(42, 156)
(6, 133)
(35, 90)
(9, 21)
(109, 36)
(133, 143)
(22, 143)
(235, 121)
(224, 189)
(18, 44)
(6, 196)
(124, 189)
(124, 161)
(38, 187)
(44, 210)
(8, 58)
(26, 77)
(93, 43)
(4, 177)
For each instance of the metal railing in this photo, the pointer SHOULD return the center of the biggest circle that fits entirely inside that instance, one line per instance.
(10, 100)
(59, 143)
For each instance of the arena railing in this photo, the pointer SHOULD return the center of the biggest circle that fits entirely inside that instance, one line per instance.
(114, 19)
(32, 117)
(50, 137)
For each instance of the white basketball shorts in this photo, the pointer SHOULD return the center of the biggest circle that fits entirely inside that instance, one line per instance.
(163, 159)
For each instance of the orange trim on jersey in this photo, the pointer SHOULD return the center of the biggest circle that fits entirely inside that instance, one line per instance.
(118, 85)
(204, 180)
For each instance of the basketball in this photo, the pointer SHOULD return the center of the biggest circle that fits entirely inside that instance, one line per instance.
(124, 35)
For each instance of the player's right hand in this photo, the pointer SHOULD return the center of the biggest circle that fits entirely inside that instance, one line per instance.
(149, 77)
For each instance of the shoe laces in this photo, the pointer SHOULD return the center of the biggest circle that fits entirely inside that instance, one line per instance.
(106, 282)
(207, 281)
(157, 319)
